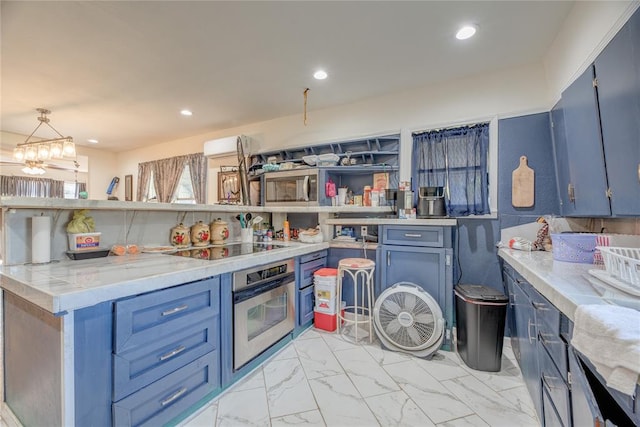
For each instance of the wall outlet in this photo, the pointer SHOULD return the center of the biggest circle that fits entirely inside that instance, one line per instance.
(363, 230)
(338, 230)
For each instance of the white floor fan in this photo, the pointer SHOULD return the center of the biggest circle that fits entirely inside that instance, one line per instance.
(409, 320)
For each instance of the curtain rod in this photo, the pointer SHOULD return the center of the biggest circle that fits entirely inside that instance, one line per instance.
(449, 128)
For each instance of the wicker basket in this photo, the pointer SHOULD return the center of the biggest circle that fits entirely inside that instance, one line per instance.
(622, 263)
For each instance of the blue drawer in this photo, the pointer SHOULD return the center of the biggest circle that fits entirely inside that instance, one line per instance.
(406, 235)
(143, 365)
(167, 398)
(152, 317)
(313, 256)
(305, 275)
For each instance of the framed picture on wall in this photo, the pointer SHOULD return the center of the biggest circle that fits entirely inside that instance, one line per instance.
(228, 184)
(128, 188)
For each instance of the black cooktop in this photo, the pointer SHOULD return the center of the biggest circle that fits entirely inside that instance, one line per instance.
(226, 251)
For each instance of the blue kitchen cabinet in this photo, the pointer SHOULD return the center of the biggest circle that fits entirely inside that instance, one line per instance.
(617, 71)
(588, 180)
(583, 403)
(421, 255)
(306, 265)
(562, 163)
(526, 337)
(166, 352)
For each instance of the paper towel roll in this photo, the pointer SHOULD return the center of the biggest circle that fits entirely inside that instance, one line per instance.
(40, 239)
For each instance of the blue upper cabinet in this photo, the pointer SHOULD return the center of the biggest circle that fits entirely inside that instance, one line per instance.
(567, 207)
(588, 180)
(618, 76)
(529, 136)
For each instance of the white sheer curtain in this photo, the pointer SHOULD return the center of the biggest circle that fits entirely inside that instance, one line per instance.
(24, 186)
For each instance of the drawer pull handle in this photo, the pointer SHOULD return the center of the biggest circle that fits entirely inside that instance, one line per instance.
(546, 382)
(175, 310)
(540, 306)
(174, 396)
(173, 353)
(412, 235)
(529, 324)
(547, 341)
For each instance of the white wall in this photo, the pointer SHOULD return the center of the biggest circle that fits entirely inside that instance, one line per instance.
(502, 93)
(587, 30)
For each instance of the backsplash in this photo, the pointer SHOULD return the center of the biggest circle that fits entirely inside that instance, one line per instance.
(117, 227)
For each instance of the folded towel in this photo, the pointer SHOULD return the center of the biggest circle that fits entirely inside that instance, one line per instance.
(609, 336)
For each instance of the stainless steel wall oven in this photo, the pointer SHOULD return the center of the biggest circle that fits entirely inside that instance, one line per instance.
(263, 308)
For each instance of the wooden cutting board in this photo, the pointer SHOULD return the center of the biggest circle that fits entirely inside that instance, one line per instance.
(522, 185)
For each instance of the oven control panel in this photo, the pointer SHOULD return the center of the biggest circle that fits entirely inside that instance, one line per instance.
(254, 276)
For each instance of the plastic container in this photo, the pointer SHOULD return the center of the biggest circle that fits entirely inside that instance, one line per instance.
(286, 232)
(324, 288)
(574, 247)
(84, 241)
(480, 318)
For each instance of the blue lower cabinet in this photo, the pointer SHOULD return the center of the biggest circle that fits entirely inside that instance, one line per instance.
(306, 302)
(142, 366)
(168, 397)
(306, 266)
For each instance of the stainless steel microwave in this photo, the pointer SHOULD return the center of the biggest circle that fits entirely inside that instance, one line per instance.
(297, 187)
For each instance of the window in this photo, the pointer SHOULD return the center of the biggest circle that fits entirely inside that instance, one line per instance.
(457, 160)
(151, 190)
(184, 192)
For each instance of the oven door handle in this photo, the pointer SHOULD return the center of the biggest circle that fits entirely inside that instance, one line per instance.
(249, 293)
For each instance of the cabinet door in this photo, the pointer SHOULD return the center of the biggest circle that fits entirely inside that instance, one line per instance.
(429, 268)
(618, 74)
(511, 315)
(306, 302)
(423, 266)
(567, 206)
(584, 408)
(526, 334)
(584, 147)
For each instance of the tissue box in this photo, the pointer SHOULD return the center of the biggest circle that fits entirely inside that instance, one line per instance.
(84, 241)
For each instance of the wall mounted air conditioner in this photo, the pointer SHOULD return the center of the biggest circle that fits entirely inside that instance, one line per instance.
(226, 146)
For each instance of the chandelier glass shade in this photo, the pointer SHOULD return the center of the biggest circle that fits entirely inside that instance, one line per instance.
(33, 153)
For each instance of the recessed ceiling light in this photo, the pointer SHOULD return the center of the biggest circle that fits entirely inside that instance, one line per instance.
(466, 32)
(320, 75)
(92, 141)
(186, 113)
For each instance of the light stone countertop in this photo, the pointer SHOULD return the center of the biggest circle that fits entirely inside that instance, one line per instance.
(67, 285)
(566, 285)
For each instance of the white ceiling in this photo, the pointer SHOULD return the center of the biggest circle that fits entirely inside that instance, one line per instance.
(121, 71)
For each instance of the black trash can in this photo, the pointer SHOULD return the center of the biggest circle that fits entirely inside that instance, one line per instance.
(480, 317)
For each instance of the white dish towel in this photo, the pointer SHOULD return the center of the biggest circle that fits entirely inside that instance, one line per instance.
(609, 336)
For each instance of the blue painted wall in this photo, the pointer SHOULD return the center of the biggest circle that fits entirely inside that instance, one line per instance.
(476, 238)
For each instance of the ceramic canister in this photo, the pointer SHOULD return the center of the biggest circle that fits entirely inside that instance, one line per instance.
(219, 231)
(180, 236)
(200, 234)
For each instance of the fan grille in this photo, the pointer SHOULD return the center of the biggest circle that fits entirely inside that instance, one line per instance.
(408, 321)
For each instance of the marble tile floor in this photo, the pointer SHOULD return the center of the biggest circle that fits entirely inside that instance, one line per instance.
(321, 379)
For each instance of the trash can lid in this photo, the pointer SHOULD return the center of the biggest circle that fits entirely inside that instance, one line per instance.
(481, 293)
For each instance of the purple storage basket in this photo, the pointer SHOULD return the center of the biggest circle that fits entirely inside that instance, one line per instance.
(574, 247)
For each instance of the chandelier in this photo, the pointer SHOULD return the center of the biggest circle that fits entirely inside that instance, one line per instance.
(34, 153)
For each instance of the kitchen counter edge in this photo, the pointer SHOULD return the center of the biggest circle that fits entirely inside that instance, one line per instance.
(64, 286)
